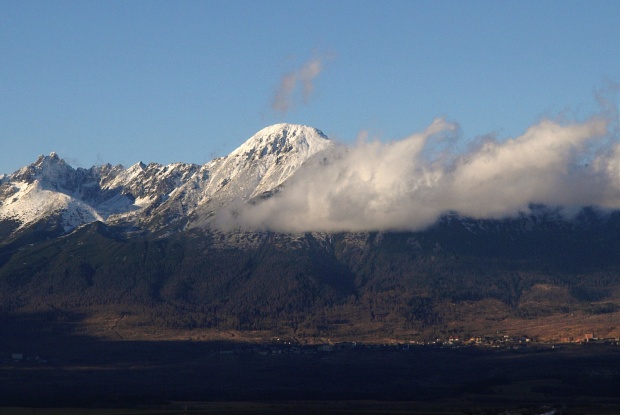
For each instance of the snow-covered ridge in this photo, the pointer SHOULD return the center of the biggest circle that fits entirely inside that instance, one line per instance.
(282, 138)
(153, 195)
(266, 160)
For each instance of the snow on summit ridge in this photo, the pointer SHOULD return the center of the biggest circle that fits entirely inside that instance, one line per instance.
(262, 163)
(154, 196)
(271, 156)
(283, 138)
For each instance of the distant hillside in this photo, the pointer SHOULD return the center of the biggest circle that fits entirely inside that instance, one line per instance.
(461, 277)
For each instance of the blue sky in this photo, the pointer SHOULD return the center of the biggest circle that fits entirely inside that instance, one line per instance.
(164, 81)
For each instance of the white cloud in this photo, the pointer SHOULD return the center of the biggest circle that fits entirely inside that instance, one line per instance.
(407, 185)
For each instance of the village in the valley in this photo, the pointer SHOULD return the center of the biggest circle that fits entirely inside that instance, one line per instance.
(279, 346)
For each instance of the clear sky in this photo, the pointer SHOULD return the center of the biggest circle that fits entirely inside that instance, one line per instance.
(166, 81)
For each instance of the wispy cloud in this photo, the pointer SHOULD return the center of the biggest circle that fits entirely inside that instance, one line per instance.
(297, 85)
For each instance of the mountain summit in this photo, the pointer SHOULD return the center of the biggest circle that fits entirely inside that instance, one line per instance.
(267, 159)
(283, 138)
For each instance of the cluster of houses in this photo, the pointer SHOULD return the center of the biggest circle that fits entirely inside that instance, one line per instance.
(499, 340)
(591, 338)
(277, 346)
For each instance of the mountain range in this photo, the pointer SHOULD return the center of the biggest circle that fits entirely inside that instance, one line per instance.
(156, 249)
(154, 197)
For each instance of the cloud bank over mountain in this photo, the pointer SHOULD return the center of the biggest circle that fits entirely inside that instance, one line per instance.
(408, 184)
(292, 178)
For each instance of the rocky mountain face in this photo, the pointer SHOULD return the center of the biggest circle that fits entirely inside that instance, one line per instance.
(142, 244)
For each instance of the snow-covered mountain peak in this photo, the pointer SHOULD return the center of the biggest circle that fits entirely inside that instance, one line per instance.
(49, 170)
(265, 161)
(282, 138)
(139, 166)
(45, 161)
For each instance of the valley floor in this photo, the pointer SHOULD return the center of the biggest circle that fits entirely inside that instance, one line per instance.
(55, 368)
